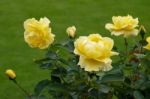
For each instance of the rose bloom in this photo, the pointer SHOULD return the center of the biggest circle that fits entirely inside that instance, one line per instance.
(95, 52)
(11, 74)
(148, 45)
(71, 31)
(38, 33)
(123, 25)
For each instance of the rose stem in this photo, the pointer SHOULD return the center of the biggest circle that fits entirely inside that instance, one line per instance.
(22, 89)
(126, 45)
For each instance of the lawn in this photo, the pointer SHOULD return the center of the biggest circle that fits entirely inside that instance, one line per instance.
(89, 16)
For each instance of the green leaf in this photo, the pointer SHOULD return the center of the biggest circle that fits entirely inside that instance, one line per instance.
(112, 78)
(140, 56)
(55, 78)
(114, 97)
(36, 97)
(145, 85)
(40, 86)
(59, 88)
(146, 63)
(104, 88)
(64, 61)
(100, 74)
(45, 65)
(138, 84)
(31, 97)
(69, 45)
(127, 71)
(114, 71)
(52, 55)
(74, 95)
(38, 61)
(42, 97)
(138, 95)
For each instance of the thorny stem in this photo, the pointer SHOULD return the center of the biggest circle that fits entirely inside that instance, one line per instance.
(22, 89)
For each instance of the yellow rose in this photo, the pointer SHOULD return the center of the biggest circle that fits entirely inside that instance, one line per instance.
(38, 33)
(148, 45)
(11, 74)
(71, 31)
(123, 25)
(95, 52)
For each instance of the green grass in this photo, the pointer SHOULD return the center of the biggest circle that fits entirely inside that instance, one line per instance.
(89, 16)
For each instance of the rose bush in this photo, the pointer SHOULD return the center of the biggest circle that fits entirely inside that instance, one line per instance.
(83, 67)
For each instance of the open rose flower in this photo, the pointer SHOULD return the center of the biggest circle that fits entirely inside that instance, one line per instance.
(38, 33)
(95, 52)
(123, 25)
(148, 45)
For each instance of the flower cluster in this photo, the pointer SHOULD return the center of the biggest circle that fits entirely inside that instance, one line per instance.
(94, 50)
(83, 67)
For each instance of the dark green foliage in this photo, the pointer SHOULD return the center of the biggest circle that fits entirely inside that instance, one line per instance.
(129, 78)
(40, 86)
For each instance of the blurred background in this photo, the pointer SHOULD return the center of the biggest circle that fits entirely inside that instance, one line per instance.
(89, 16)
